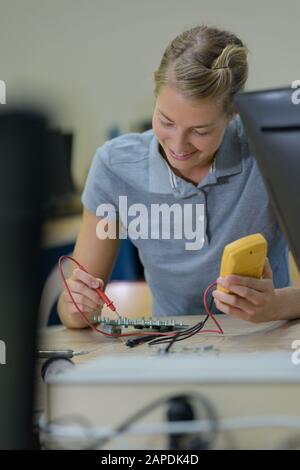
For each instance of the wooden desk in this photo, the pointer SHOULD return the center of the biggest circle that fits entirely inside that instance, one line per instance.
(232, 400)
(239, 336)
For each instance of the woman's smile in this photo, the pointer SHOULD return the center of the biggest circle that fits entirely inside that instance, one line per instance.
(181, 156)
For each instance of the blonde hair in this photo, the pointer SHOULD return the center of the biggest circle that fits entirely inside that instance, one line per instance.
(204, 62)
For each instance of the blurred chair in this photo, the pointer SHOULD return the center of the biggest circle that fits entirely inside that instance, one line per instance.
(50, 293)
(132, 299)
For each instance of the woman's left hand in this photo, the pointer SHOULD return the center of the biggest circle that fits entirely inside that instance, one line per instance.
(250, 299)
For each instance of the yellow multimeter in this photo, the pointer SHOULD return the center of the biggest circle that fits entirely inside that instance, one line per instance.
(244, 257)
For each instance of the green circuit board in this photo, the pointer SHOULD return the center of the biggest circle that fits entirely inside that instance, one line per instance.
(141, 323)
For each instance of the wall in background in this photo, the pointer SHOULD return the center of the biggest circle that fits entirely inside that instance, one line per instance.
(91, 62)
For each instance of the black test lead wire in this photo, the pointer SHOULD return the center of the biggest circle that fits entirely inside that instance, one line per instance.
(181, 335)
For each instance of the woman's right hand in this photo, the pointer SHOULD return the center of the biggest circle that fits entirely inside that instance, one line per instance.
(82, 286)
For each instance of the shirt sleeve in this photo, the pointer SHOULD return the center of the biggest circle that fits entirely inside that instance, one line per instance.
(100, 186)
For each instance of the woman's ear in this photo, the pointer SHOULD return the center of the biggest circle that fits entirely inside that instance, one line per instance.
(232, 115)
(232, 111)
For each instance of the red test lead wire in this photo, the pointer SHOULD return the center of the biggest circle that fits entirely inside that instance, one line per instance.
(107, 301)
(110, 304)
(101, 294)
(220, 331)
(104, 298)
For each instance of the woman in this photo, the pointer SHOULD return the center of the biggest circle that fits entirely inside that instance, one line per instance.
(195, 186)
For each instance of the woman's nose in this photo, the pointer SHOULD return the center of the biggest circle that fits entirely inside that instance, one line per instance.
(180, 146)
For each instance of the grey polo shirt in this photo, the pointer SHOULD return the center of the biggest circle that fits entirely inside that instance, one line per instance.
(229, 203)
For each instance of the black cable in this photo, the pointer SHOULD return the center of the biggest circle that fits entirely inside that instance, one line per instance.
(187, 334)
(210, 412)
(132, 342)
(181, 335)
(170, 340)
(167, 349)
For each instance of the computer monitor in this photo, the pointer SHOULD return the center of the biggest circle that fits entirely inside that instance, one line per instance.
(271, 120)
(60, 185)
(22, 185)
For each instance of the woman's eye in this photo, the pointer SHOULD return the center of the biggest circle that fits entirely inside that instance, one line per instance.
(167, 124)
(201, 133)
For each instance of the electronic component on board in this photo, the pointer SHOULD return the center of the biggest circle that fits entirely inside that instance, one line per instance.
(140, 323)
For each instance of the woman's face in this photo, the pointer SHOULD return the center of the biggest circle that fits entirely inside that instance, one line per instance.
(189, 131)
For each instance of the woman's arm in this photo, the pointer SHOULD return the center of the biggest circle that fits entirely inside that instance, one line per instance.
(98, 257)
(288, 299)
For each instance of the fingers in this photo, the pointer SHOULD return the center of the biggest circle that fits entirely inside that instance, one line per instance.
(86, 278)
(79, 287)
(234, 311)
(253, 296)
(82, 286)
(234, 301)
(84, 304)
(248, 298)
(260, 285)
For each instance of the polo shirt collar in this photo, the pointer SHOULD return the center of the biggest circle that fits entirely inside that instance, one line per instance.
(159, 177)
(228, 160)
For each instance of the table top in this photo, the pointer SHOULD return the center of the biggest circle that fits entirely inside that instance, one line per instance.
(239, 336)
